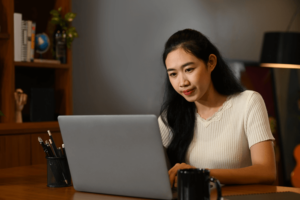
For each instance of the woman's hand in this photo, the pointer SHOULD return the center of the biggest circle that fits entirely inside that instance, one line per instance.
(173, 172)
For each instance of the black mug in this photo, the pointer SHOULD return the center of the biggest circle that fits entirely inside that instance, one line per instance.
(194, 184)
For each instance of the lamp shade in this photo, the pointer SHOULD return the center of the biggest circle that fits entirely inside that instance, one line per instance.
(281, 50)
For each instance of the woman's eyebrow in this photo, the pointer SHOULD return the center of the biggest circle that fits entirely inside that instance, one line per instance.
(182, 66)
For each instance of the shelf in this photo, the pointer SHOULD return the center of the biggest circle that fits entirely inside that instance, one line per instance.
(42, 65)
(4, 36)
(28, 127)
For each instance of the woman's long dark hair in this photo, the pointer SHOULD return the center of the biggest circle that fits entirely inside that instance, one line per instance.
(176, 112)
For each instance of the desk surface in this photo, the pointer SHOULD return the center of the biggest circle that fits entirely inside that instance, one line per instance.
(29, 182)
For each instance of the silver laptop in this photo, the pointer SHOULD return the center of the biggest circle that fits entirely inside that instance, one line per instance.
(116, 154)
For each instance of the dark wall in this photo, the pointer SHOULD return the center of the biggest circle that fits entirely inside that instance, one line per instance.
(117, 57)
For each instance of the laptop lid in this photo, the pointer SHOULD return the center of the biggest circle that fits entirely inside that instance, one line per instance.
(116, 154)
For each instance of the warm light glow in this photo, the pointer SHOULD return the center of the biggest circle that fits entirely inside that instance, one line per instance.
(280, 65)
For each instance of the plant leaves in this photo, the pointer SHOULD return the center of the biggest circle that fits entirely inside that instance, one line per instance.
(55, 20)
(59, 9)
(69, 43)
(70, 16)
(75, 34)
(63, 24)
(72, 29)
(55, 13)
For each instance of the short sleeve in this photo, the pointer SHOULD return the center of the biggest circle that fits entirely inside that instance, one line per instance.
(257, 126)
(166, 135)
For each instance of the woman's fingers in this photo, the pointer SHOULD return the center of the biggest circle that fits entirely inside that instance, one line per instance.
(172, 178)
(173, 172)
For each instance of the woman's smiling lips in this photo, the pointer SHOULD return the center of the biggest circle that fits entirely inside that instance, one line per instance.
(188, 92)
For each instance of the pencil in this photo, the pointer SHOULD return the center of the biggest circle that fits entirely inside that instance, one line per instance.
(59, 152)
(52, 144)
(50, 152)
(44, 146)
(54, 152)
(63, 149)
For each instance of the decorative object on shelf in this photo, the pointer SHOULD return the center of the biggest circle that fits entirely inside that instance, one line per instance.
(42, 43)
(65, 24)
(42, 105)
(21, 100)
(59, 46)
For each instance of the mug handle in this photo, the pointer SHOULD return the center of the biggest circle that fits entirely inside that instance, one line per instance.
(218, 186)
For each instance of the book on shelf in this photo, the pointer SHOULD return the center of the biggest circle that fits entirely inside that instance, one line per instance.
(29, 25)
(17, 37)
(33, 27)
(24, 39)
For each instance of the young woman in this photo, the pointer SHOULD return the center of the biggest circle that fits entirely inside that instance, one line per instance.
(207, 120)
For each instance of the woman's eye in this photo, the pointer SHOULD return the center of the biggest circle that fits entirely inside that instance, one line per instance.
(190, 69)
(173, 74)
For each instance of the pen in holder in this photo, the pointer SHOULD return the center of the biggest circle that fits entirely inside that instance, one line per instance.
(58, 173)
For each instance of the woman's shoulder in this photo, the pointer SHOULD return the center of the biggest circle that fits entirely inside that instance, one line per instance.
(246, 96)
(246, 99)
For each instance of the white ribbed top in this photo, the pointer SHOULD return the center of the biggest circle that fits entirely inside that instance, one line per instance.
(223, 141)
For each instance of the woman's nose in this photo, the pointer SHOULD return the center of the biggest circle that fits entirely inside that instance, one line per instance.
(184, 82)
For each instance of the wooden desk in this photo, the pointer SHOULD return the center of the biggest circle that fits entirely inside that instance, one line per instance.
(29, 182)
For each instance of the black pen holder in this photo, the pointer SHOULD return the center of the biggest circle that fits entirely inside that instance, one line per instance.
(58, 173)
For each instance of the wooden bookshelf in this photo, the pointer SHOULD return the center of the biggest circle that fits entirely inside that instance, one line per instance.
(28, 127)
(4, 36)
(42, 65)
(27, 75)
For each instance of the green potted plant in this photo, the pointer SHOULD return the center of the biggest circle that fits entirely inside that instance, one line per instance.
(65, 24)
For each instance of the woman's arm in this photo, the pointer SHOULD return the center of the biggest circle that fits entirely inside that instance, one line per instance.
(259, 136)
(262, 171)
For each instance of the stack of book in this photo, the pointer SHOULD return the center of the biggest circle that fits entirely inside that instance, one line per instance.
(24, 38)
(24, 41)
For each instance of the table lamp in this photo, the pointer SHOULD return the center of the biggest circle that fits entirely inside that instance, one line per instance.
(281, 50)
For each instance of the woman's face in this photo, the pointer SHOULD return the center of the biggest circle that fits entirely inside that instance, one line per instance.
(189, 75)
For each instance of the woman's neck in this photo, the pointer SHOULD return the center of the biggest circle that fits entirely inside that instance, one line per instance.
(210, 103)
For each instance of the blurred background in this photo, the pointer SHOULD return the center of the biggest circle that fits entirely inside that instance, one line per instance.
(117, 60)
(115, 65)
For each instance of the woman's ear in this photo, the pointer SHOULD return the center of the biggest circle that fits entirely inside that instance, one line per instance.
(212, 62)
